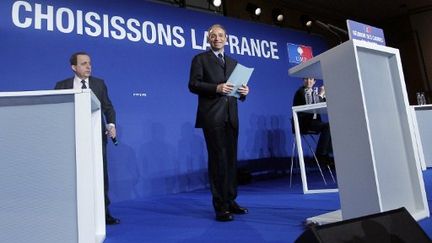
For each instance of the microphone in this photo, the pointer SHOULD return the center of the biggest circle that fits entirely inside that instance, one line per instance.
(333, 29)
(114, 140)
(307, 21)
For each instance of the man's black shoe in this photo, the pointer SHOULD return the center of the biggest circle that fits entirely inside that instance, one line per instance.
(236, 209)
(224, 216)
(110, 220)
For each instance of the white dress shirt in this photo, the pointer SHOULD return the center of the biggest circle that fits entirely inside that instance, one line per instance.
(77, 82)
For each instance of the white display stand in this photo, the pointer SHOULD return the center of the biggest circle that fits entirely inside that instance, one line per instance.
(319, 108)
(51, 169)
(371, 128)
(423, 118)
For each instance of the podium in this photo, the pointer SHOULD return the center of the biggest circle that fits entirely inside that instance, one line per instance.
(422, 115)
(376, 160)
(51, 172)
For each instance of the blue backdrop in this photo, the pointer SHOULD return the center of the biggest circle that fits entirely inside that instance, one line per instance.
(143, 50)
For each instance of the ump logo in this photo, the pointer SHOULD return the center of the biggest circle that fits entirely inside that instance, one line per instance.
(299, 53)
(368, 29)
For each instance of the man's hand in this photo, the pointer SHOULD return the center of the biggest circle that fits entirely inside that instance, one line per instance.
(321, 92)
(224, 88)
(111, 131)
(243, 90)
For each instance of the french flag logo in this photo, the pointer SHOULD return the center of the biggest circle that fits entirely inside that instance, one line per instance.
(299, 53)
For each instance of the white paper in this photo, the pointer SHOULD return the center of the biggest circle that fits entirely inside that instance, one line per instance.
(238, 77)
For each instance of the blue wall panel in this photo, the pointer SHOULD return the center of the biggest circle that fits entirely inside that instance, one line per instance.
(160, 151)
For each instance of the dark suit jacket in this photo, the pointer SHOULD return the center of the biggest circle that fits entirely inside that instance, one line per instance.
(206, 73)
(100, 90)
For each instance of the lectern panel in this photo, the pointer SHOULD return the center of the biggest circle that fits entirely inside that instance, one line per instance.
(387, 134)
(37, 171)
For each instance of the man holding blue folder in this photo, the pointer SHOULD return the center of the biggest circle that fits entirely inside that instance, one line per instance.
(217, 116)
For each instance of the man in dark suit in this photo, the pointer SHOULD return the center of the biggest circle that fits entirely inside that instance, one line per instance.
(217, 116)
(81, 66)
(310, 122)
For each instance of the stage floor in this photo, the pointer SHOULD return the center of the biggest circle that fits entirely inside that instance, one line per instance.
(276, 214)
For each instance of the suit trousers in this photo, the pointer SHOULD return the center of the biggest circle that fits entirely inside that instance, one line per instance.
(324, 146)
(106, 178)
(222, 164)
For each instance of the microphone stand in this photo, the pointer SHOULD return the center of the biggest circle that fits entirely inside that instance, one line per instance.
(332, 29)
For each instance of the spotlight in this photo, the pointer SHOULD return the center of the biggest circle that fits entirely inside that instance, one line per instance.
(216, 3)
(277, 15)
(253, 9)
(306, 21)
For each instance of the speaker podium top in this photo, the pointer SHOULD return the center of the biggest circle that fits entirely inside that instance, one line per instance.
(312, 68)
(48, 96)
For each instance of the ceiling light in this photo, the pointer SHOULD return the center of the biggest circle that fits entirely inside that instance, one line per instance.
(253, 9)
(306, 21)
(217, 3)
(277, 15)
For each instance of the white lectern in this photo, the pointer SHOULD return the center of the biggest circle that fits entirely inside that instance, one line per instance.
(51, 173)
(422, 114)
(371, 128)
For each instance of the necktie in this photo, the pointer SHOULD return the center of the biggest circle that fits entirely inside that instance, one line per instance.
(221, 58)
(84, 86)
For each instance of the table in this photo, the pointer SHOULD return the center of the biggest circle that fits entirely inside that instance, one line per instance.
(320, 108)
(422, 114)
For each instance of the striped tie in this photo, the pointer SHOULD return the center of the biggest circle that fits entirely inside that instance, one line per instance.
(84, 86)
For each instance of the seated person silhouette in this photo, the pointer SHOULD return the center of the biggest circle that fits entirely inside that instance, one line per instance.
(312, 123)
